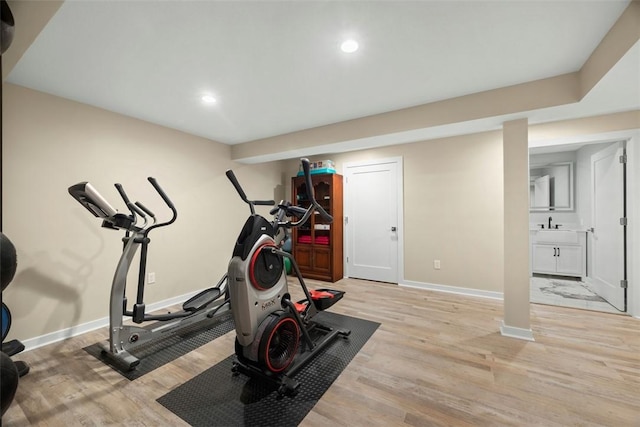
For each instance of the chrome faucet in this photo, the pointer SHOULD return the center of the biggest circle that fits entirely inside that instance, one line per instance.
(549, 222)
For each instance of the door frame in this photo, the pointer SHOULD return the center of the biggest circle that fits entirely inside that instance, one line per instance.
(399, 205)
(632, 138)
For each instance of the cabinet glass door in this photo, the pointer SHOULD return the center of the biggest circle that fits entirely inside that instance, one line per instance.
(322, 227)
(303, 232)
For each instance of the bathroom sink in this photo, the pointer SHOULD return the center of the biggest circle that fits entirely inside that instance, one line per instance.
(557, 236)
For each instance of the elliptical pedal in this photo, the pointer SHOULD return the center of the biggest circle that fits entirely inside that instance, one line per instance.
(301, 306)
(201, 300)
(325, 298)
(12, 347)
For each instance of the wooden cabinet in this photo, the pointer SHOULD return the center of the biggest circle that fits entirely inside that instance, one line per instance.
(317, 244)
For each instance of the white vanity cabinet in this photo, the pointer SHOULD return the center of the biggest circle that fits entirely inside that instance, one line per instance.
(561, 252)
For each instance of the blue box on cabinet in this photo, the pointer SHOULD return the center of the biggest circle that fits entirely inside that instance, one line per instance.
(322, 166)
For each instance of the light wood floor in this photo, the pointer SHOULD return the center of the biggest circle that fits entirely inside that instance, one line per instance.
(437, 359)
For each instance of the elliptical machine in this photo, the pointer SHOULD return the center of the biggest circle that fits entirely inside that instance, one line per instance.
(269, 325)
(123, 338)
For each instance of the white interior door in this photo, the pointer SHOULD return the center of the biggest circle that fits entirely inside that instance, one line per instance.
(372, 220)
(608, 254)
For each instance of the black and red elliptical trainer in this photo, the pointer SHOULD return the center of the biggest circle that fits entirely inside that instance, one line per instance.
(275, 336)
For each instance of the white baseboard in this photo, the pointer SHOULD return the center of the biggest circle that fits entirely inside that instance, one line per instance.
(513, 332)
(53, 337)
(453, 290)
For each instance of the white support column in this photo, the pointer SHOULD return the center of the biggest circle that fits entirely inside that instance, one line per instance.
(515, 149)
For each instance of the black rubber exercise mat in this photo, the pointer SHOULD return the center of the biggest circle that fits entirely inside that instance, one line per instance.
(218, 398)
(156, 354)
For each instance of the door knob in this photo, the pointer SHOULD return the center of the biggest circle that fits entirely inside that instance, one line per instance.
(393, 228)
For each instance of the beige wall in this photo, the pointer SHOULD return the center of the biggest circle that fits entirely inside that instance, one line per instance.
(453, 200)
(66, 260)
(453, 208)
(453, 187)
(453, 205)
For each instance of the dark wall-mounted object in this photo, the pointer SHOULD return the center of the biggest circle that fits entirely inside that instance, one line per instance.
(7, 26)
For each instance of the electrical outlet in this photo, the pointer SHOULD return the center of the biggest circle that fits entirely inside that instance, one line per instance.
(151, 278)
(436, 264)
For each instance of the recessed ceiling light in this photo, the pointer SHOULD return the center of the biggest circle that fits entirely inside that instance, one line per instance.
(208, 99)
(349, 46)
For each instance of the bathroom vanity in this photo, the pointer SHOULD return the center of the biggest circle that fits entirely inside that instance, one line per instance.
(560, 252)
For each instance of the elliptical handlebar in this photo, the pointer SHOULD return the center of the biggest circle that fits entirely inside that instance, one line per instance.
(243, 196)
(127, 202)
(288, 209)
(162, 194)
(314, 205)
(306, 168)
(168, 202)
(146, 210)
(142, 211)
(285, 208)
(137, 210)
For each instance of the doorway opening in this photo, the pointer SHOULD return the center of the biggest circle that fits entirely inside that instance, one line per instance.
(578, 226)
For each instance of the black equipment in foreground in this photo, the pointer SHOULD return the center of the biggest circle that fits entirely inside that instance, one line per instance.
(8, 267)
(123, 338)
(10, 370)
(269, 325)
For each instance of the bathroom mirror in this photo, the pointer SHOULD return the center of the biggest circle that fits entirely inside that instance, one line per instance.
(551, 187)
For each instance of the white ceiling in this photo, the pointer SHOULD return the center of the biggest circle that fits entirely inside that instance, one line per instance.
(275, 66)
